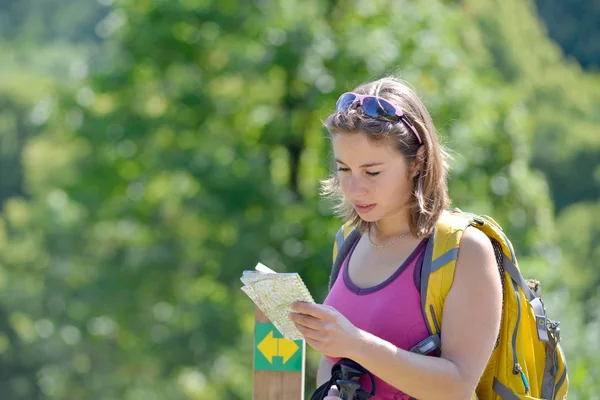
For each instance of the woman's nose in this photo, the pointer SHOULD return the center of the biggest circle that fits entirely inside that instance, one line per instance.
(356, 187)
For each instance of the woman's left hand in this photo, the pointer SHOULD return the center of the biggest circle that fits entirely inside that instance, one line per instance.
(325, 329)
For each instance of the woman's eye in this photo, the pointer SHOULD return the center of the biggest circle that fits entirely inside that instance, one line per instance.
(343, 169)
(372, 173)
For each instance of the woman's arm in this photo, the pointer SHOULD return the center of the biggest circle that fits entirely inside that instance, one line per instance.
(470, 325)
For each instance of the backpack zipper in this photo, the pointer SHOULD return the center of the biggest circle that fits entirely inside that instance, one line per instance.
(518, 370)
(516, 366)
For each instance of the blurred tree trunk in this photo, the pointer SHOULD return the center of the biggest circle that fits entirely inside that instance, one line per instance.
(13, 137)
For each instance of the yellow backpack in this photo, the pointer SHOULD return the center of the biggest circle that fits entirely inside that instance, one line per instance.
(527, 362)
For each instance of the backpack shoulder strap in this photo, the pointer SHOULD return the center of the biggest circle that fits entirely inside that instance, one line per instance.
(345, 238)
(439, 263)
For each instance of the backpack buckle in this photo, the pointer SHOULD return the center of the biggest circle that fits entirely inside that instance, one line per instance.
(554, 331)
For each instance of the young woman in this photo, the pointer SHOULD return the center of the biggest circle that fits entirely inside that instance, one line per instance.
(391, 183)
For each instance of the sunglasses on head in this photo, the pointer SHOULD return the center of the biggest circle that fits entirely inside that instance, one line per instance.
(374, 106)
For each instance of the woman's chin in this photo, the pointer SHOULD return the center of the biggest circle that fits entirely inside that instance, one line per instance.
(369, 218)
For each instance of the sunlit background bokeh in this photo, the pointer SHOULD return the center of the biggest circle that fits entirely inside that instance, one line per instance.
(151, 150)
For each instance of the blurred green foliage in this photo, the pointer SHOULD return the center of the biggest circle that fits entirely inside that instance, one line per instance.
(574, 25)
(142, 173)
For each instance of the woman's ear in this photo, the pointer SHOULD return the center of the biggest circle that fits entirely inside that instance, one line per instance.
(417, 165)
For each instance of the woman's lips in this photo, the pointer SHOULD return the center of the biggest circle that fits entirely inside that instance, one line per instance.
(363, 209)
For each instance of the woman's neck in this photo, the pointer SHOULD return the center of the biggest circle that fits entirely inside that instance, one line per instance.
(391, 226)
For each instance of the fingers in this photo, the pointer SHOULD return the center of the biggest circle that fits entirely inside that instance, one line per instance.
(306, 320)
(319, 311)
(315, 344)
(310, 333)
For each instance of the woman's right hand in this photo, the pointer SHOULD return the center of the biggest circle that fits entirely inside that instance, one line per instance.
(333, 394)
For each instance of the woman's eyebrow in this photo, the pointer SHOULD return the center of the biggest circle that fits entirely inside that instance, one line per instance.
(367, 165)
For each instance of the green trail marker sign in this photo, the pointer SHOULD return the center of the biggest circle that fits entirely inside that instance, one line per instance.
(275, 353)
(278, 371)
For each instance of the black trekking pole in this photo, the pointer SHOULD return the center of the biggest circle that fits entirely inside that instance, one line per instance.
(349, 384)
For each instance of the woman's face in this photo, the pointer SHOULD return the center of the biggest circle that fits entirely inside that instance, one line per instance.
(374, 176)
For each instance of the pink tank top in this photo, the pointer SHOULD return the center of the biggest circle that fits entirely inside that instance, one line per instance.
(390, 310)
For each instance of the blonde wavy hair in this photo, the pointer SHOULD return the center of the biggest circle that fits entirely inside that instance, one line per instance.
(430, 188)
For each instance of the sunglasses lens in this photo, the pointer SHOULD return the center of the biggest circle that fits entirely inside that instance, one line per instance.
(345, 101)
(378, 108)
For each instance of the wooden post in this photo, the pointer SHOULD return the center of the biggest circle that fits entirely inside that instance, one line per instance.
(278, 363)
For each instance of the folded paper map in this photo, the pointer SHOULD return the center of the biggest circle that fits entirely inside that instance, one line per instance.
(274, 294)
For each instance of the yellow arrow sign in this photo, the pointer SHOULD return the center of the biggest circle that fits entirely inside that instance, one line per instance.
(271, 347)
(268, 346)
(287, 348)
